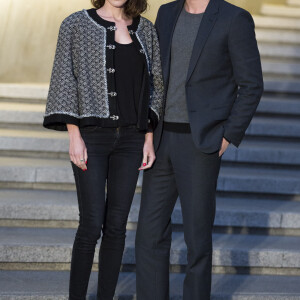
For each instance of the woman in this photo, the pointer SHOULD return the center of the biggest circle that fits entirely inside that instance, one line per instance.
(106, 89)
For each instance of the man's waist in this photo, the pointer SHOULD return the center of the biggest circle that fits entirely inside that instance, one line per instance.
(177, 127)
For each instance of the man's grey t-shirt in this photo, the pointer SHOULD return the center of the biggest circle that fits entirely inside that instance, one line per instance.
(184, 36)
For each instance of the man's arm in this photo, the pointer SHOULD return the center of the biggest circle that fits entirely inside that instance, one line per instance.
(247, 70)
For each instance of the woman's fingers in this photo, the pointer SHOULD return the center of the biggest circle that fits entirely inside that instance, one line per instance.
(145, 161)
(84, 158)
(71, 158)
(148, 161)
(85, 155)
(79, 159)
(151, 159)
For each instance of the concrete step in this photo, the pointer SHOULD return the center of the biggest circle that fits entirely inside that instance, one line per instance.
(21, 124)
(51, 248)
(35, 144)
(278, 36)
(279, 68)
(276, 22)
(279, 106)
(34, 93)
(276, 127)
(54, 285)
(280, 10)
(287, 52)
(26, 114)
(22, 113)
(57, 208)
(293, 2)
(57, 174)
(281, 85)
(264, 152)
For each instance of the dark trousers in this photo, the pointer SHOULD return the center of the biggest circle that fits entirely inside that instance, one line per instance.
(179, 169)
(114, 155)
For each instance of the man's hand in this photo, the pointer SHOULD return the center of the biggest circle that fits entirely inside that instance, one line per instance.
(224, 146)
(149, 153)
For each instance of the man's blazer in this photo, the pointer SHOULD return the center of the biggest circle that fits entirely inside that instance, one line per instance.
(224, 83)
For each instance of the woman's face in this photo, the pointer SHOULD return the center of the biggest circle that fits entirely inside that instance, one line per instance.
(117, 3)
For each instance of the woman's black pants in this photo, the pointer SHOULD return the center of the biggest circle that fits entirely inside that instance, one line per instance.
(114, 155)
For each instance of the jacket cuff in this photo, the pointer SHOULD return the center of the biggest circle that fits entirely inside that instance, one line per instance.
(59, 121)
(227, 139)
(152, 116)
(231, 139)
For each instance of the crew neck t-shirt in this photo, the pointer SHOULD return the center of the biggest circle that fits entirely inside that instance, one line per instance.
(184, 36)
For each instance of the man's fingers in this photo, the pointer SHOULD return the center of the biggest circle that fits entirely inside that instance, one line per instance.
(220, 153)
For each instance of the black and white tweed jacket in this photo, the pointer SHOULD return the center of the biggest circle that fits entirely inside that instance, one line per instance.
(82, 86)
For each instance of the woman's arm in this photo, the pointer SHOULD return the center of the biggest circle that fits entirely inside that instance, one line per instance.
(157, 85)
(77, 148)
(149, 153)
(62, 100)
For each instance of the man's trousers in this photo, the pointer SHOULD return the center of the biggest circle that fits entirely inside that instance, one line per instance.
(180, 170)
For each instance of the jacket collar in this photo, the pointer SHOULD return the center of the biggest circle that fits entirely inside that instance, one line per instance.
(205, 28)
(92, 12)
(207, 23)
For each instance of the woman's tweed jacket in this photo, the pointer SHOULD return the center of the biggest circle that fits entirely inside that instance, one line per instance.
(82, 84)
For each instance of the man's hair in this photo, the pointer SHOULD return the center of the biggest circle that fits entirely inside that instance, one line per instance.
(132, 8)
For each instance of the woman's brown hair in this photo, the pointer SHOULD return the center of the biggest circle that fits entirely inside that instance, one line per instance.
(132, 8)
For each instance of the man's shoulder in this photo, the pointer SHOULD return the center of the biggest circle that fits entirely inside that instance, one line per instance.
(226, 7)
(232, 10)
(167, 6)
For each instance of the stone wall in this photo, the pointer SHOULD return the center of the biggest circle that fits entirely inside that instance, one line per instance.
(28, 34)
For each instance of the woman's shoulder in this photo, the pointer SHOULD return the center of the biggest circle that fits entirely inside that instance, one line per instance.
(146, 25)
(73, 18)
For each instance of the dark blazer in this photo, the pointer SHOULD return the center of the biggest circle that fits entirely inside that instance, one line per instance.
(224, 83)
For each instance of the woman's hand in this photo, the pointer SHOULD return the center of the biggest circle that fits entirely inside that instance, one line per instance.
(149, 154)
(77, 148)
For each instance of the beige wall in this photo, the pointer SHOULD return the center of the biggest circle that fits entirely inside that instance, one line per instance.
(28, 34)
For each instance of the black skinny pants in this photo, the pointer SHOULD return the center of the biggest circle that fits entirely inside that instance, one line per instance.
(114, 155)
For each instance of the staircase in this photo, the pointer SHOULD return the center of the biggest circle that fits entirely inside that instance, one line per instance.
(257, 226)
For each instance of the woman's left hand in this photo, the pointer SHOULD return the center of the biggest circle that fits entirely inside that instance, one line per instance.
(148, 151)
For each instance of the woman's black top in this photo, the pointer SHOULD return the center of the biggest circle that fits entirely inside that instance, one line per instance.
(129, 68)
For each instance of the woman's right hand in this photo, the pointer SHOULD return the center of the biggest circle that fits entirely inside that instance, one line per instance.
(77, 148)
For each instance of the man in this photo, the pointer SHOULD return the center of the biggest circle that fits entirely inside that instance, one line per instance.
(213, 82)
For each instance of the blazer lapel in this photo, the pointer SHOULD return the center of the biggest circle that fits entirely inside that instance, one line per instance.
(174, 14)
(207, 23)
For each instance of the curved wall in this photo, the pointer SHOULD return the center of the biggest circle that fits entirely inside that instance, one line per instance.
(28, 35)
